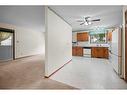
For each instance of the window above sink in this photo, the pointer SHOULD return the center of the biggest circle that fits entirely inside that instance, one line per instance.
(98, 36)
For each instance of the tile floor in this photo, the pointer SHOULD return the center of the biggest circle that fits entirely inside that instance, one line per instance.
(89, 73)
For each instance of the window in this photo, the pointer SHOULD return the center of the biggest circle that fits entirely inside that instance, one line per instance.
(98, 35)
(98, 38)
(7, 42)
(5, 39)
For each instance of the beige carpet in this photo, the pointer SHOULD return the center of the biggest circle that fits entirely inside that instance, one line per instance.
(27, 73)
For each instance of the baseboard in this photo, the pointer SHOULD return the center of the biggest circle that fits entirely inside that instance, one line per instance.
(58, 69)
(26, 56)
(2, 61)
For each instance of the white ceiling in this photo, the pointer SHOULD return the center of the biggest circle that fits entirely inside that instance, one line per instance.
(110, 15)
(31, 17)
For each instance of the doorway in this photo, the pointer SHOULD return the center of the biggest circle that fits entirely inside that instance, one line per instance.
(7, 44)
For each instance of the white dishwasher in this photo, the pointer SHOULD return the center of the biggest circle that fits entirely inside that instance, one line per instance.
(87, 51)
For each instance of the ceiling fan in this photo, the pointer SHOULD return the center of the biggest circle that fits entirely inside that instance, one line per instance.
(87, 21)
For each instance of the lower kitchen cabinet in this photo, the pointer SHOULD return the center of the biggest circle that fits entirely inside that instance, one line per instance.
(77, 51)
(99, 52)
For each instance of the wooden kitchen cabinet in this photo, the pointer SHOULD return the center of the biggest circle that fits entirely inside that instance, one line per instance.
(77, 51)
(74, 51)
(82, 36)
(109, 36)
(106, 53)
(99, 52)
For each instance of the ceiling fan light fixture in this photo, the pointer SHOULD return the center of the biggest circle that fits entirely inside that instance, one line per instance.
(89, 22)
(86, 23)
(84, 19)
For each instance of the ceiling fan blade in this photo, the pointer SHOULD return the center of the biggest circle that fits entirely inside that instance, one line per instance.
(96, 20)
(82, 23)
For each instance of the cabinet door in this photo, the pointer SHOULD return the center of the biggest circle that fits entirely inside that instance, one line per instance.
(93, 52)
(79, 51)
(82, 36)
(105, 52)
(79, 36)
(74, 51)
(100, 52)
(109, 36)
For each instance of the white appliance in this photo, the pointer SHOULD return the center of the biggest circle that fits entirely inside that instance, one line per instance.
(87, 52)
(115, 52)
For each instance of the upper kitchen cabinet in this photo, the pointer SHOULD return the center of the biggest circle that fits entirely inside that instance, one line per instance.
(109, 36)
(83, 36)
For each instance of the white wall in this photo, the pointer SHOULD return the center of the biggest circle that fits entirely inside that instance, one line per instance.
(27, 42)
(74, 36)
(58, 42)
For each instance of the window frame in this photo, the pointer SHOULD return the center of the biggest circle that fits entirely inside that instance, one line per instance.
(98, 43)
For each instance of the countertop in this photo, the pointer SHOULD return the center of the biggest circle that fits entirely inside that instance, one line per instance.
(92, 45)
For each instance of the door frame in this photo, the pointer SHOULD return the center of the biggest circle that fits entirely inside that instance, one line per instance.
(13, 38)
(125, 46)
